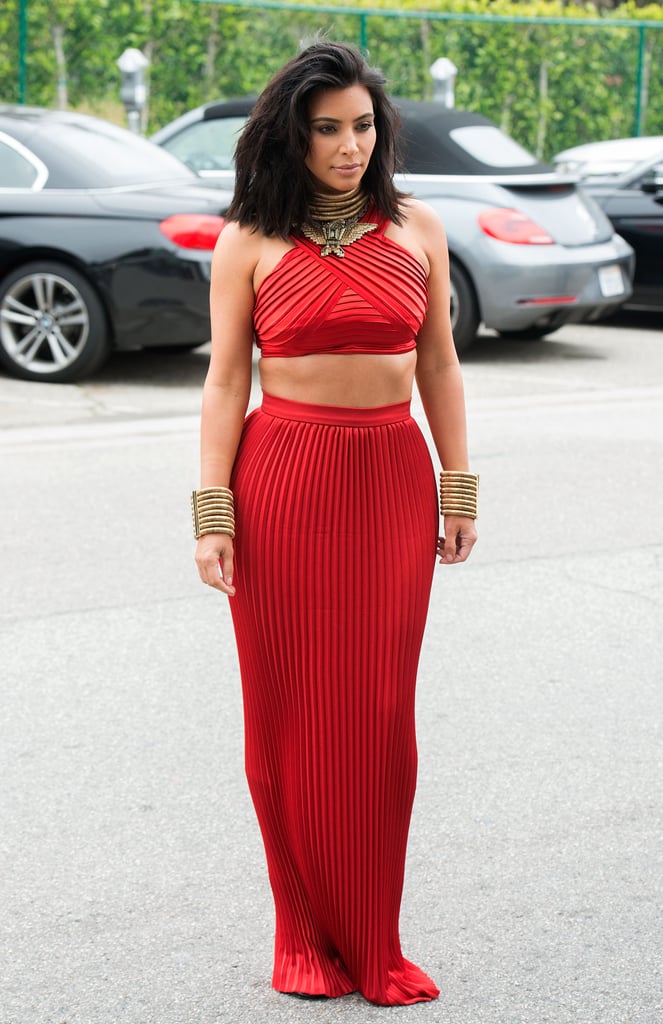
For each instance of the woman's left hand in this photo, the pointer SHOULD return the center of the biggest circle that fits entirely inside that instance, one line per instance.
(459, 538)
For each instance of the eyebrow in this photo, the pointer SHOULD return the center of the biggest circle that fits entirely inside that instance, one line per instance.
(336, 120)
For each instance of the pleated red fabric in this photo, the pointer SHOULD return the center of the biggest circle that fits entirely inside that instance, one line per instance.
(372, 300)
(335, 551)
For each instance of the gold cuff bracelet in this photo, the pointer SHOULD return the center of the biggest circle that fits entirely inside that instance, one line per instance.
(213, 511)
(459, 493)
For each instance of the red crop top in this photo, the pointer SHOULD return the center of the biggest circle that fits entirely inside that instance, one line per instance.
(374, 299)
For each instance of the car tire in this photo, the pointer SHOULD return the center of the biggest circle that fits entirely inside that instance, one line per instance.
(52, 325)
(528, 333)
(464, 308)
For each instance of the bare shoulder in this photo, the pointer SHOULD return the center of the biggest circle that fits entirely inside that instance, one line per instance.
(422, 217)
(236, 256)
(423, 232)
(238, 244)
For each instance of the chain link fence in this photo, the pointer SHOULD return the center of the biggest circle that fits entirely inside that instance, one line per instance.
(551, 82)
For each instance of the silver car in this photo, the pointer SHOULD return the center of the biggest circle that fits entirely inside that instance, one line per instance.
(530, 251)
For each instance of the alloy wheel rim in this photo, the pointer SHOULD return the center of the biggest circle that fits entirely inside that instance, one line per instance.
(44, 323)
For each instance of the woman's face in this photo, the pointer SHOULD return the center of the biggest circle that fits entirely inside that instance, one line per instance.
(342, 137)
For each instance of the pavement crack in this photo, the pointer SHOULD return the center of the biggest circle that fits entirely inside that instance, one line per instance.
(123, 606)
(609, 588)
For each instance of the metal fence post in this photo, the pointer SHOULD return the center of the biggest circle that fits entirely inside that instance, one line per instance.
(640, 82)
(363, 33)
(22, 50)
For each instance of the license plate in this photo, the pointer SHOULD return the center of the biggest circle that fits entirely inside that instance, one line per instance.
(611, 281)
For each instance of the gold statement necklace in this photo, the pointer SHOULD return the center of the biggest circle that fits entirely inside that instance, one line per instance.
(335, 221)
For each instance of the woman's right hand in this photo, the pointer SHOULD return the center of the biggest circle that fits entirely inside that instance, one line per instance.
(214, 558)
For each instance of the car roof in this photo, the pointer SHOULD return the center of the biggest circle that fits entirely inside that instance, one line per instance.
(229, 108)
(26, 122)
(17, 113)
(638, 147)
(21, 112)
(83, 151)
(428, 145)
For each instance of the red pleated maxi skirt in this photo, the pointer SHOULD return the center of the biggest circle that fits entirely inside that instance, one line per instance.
(335, 551)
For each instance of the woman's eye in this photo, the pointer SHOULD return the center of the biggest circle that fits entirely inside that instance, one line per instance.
(365, 126)
(326, 129)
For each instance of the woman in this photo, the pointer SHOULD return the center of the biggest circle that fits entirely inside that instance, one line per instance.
(344, 282)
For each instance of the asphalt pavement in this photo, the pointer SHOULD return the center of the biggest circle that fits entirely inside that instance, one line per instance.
(132, 881)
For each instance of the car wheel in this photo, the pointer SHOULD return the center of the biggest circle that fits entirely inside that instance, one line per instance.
(528, 333)
(52, 324)
(464, 308)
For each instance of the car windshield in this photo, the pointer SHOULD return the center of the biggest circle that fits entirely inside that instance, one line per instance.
(207, 145)
(97, 155)
(491, 146)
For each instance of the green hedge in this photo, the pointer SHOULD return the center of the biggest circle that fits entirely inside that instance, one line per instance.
(550, 86)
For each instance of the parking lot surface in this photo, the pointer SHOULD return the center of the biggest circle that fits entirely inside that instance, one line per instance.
(132, 876)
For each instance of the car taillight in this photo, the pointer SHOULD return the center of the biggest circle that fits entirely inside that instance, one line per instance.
(513, 226)
(193, 230)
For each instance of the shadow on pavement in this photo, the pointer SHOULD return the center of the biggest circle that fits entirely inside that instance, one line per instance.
(163, 367)
(491, 348)
(167, 367)
(635, 319)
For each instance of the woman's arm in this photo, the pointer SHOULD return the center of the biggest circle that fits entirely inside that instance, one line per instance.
(227, 385)
(439, 378)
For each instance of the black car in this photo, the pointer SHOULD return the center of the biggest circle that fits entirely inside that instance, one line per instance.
(105, 242)
(633, 203)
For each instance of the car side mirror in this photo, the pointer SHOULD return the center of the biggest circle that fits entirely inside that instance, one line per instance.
(652, 181)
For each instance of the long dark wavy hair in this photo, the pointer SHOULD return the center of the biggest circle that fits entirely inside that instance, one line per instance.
(273, 184)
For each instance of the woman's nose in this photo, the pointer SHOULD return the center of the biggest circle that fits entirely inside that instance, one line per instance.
(349, 143)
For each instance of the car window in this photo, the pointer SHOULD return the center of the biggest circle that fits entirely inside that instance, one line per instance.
(207, 145)
(491, 146)
(652, 179)
(17, 170)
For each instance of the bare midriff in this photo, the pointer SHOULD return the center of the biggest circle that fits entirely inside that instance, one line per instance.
(357, 380)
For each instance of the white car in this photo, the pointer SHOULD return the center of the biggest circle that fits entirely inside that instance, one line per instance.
(607, 159)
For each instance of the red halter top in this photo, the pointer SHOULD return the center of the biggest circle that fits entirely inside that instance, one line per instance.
(374, 299)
